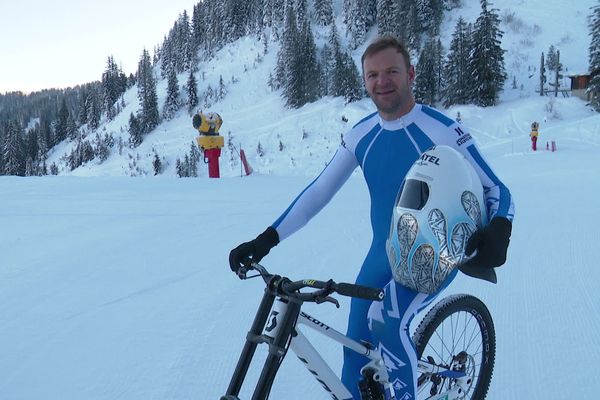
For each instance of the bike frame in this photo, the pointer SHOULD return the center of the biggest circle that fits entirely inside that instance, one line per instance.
(276, 324)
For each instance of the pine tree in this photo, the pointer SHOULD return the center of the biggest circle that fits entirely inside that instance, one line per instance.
(135, 131)
(83, 108)
(551, 60)
(456, 67)
(352, 84)
(149, 117)
(357, 23)
(324, 12)
(13, 150)
(594, 58)
(221, 90)
(426, 88)
(430, 13)
(388, 18)
(71, 127)
(32, 153)
(286, 53)
(192, 92)
(94, 109)
(60, 125)
(557, 76)
(114, 84)
(198, 30)
(413, 26)
(157, 164)
(194, 159)
(172, 102)
(487, 57)
(305, 68)
(334, 64)
(542, 75)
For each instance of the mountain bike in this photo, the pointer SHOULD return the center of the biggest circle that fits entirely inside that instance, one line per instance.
(455, 343)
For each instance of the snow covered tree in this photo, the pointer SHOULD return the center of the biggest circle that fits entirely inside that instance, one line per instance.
(285, 55)
(557, 73)
(135, 131)
(221, 91)
(172, 102)
(456, 67)
(197, 30)
(412, 30)
(357, 23)
(388, 18)
(13, 150)
(426, 85)
(60, 125)
(594, 58)
(542, 75)
(94, 109)
(301, 85)
(552, 58)
(149, 116)
(324, 12)
(114, 84)
(192, 92)
(487, 58)
(334, 66)
(351, 82)
(430, 13)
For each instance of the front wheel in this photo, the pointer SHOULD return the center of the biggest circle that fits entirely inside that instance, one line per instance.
(457, 334)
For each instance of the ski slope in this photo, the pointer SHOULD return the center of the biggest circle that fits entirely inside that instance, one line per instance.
(119, 288)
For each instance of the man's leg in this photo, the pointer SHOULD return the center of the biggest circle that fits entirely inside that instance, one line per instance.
(389, 323)
(358, 328)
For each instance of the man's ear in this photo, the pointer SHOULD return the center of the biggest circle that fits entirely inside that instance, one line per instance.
(411, 75)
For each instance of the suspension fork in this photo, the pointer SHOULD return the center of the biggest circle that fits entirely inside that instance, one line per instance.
(277, 349)
(250, 346)
(277, 346)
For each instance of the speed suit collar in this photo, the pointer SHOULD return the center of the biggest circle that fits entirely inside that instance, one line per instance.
(401, 122)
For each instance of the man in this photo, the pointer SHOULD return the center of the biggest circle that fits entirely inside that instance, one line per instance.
(385, 144)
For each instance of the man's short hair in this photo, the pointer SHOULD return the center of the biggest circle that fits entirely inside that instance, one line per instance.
(386, 42)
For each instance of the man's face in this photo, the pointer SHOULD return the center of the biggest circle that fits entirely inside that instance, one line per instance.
(389, 83)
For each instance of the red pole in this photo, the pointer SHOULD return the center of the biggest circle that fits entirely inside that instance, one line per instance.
(247, 167)
(213, 161)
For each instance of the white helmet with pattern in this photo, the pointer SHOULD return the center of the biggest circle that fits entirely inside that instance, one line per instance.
(438, 207)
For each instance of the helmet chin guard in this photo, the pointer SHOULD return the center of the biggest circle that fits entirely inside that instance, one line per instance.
(439, 206)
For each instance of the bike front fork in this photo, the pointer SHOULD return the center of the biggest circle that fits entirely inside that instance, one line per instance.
(280, 329)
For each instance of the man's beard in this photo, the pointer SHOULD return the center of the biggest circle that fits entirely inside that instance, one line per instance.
(388, 107)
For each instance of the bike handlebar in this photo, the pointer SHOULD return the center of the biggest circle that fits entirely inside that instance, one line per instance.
(284, 286)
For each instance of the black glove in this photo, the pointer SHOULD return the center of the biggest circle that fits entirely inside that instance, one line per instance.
(491, 243)
(253, 250)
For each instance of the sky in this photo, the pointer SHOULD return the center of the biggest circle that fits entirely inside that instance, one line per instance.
(62, 43)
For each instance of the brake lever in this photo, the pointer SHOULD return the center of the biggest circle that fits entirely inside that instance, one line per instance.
(241, 273)
(328, 299)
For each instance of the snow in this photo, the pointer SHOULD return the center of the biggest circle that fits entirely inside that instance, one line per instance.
(118, 288)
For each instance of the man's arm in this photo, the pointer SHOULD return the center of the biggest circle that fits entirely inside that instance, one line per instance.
(303, 208)
(317, 194)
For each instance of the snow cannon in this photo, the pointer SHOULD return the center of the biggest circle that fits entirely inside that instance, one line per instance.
(209, 141)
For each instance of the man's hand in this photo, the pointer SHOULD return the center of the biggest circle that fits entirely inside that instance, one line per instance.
(253, 250)
(491, 243)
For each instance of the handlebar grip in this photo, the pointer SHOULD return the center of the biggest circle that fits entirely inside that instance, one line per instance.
(363, 292)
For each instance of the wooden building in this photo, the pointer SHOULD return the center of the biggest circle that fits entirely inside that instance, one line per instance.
(580, 84)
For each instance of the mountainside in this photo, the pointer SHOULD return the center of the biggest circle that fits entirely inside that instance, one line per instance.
(300, 141)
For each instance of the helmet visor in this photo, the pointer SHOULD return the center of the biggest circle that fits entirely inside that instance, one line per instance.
(413, 194)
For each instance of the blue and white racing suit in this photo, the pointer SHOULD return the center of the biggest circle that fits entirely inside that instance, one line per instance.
(385, 150)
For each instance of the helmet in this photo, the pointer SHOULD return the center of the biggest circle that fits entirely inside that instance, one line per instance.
(438, 207)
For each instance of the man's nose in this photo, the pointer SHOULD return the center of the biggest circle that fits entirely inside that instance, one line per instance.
(383, 79)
